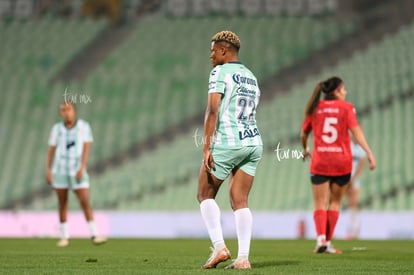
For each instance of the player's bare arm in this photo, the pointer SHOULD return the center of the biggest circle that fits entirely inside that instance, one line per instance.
(304, 138)
(49, 161)
(85, 155)
(210, 121)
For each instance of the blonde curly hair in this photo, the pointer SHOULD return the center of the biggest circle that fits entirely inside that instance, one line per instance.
(227, 36)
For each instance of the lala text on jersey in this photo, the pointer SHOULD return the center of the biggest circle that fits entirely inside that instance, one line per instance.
(248, 133)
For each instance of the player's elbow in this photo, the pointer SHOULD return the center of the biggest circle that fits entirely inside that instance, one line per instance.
(211, 112)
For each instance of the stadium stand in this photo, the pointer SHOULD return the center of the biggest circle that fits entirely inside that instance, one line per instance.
(143, 88)
(280, 120)
(131, 90)
(154, 81)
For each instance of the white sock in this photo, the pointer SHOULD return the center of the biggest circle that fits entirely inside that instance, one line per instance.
(64, 231)
(210, 212)
(244, 224)
(328, 243)
(92, 228)
(320, 239)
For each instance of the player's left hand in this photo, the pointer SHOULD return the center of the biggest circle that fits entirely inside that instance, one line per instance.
(372, 161)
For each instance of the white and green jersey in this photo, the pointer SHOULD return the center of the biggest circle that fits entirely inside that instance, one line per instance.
(69, 146)
(236, 125)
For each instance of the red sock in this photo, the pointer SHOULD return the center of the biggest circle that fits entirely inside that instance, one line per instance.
(319, 218)
(331, 223)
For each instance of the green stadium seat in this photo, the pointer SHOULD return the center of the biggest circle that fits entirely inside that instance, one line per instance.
(133, 102)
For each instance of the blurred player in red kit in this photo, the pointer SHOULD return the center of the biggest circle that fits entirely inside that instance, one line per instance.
(331, 120)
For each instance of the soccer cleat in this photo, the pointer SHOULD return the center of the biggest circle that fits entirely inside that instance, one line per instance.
(62, 243)
(216, 258)
(332, 250)
(239, 264)
(99, 240)
(321, 247)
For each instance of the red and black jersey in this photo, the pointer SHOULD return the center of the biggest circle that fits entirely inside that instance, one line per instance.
(330, 123)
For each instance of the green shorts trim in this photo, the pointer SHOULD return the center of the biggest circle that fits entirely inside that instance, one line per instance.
(245, 158)
(70, 182)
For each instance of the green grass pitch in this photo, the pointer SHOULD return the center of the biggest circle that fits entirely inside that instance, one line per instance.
(147, 256)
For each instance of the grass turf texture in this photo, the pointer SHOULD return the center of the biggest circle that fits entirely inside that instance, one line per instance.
(136, 256)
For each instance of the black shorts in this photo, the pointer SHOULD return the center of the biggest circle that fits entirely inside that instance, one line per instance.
(340, 180)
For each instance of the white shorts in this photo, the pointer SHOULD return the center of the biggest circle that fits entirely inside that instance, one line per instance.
(357, 184)
(60, 181)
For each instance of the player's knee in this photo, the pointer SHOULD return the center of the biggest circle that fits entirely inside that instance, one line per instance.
(84, 203)
(334, 205)
(238, 203)
(202, 196)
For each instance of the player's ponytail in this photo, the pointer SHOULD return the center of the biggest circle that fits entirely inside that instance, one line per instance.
(314, 99)
(326, 87)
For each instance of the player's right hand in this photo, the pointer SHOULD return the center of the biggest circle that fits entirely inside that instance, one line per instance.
(306, 154)
(208, 161)
(49, 177)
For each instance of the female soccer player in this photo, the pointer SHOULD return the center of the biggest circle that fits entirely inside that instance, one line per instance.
(330, 119)
(232, 147)
(69, 144)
